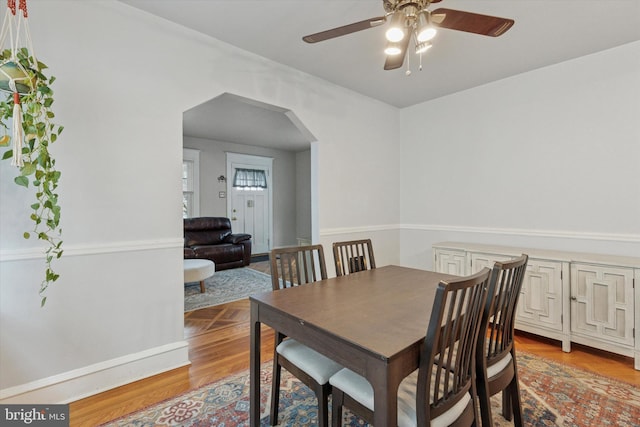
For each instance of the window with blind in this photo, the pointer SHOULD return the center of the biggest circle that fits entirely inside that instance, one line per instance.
(250, 179)
(190, 187)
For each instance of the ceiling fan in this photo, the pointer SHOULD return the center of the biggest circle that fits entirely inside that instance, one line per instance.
(411, 19)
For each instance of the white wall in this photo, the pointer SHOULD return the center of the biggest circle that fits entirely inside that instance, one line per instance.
(124, 80)
(303, 194)
(548, 159)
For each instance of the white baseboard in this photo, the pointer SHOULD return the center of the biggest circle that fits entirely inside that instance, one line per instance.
(89, 380)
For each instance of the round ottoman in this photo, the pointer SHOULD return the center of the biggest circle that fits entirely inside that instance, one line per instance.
(197, 270)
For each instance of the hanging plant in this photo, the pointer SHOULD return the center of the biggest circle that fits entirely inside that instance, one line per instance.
(27, 111)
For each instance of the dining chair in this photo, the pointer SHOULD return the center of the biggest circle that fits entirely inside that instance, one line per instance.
(496, 367)
(296, 266)
(442, 391)
(352, 256)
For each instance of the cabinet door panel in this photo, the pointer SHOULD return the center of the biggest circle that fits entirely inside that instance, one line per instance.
(602, 303)
(540, 301)
(482, 260)
(450, 261)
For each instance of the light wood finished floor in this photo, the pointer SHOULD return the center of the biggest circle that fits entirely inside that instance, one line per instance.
(218, 340)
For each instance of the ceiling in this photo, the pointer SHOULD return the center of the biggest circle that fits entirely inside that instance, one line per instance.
(233, 118)
(546, 32)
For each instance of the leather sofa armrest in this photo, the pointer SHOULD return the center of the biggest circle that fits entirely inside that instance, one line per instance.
(237, 238)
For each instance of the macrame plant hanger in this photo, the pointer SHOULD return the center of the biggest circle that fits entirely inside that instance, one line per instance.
(14, 78)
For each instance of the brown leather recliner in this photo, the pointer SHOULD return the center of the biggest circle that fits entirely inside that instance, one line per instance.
(211, 238)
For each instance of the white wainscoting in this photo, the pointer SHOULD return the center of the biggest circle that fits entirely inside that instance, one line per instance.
(99, 377)
(410, 244)
(416, 240)
(116, 315)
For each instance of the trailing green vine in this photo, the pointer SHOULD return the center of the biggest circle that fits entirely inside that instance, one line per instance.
(39, 166)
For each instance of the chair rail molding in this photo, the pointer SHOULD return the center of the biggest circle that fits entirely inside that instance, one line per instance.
(564, 234)
(106, 248)
(614, 237)
(360, 229)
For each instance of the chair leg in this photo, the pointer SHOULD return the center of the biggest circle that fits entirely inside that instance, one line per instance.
(337, 400)
(202, 287)
(322, 393)
(516, 403)
(507, 410)
(484, 400)
(275, 392)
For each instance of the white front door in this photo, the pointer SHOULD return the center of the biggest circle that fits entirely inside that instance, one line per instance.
(250, 208)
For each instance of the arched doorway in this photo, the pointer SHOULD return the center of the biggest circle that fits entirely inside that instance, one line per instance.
(231, 124)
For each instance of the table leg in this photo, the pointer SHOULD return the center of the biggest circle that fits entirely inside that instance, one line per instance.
(254, 369)
(385, 397)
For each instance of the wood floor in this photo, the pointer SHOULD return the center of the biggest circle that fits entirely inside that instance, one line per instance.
(218, 340)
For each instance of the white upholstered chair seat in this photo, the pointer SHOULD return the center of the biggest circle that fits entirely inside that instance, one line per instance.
(499, 366)
(360, 390)
(317, 366)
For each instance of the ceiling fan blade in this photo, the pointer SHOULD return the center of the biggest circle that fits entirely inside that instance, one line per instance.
(473, 22)
(396, 61)
(344, 30)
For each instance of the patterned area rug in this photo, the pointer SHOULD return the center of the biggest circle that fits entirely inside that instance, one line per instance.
(552, 394)
(225, 286)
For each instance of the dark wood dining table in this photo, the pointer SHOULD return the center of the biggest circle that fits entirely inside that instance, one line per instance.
(372, 322)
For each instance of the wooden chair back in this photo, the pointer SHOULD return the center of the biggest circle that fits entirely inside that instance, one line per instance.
(500, 309)
(297, 265)
(353, 256)
(294, 266)
(496, 367)
(447, 363)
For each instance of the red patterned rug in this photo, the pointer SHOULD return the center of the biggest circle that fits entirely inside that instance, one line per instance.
(552, 395)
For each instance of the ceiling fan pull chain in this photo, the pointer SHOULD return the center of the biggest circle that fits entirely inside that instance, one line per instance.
(408, 72)
(420, 67)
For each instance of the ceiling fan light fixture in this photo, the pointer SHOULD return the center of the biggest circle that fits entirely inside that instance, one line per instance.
(423, 47)
(426, 31)
(396, 30)
(393, 48)
(412, 21)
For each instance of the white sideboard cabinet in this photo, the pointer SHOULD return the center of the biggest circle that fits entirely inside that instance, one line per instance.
(585, 298)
